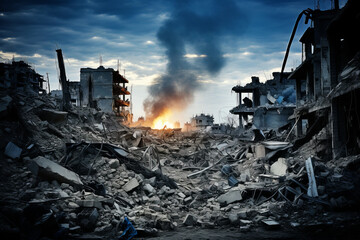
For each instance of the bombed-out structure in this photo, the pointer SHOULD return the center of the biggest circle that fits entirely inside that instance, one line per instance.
(327, 80)
(265, 105)
(20, 75)
(201, 121)
(322, 93)
(105, 89)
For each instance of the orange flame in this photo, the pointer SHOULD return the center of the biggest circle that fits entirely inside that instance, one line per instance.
(163, 121)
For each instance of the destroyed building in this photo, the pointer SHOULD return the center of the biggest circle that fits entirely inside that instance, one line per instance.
(265, 105)
(106, 89)
(20, 75)
(201, 121)
(327, 79)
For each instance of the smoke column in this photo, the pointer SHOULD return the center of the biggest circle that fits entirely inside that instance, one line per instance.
(203, 32)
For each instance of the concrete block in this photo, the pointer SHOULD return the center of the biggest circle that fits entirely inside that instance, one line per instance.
(148, 188)
(12, 150)
(131, 185)
(188, 200)
(260, 151)
(230, 197)
(181, 195)
(54, 171)
(189, 220)
(279, 167)
(114, 163)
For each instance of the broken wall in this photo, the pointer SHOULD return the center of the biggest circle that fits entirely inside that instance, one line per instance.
(272, 117)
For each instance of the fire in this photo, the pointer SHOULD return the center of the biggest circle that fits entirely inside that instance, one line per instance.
(163, 121)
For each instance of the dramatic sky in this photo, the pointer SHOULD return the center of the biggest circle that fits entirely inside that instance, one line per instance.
(224, 42)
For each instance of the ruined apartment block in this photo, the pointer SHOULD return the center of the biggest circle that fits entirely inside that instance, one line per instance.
(19, 75)
(105, 89)
(201, 121)
(265, 105)
(327, 88)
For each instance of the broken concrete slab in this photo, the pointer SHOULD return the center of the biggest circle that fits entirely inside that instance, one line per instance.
(122, 152)
(270, 223)
(12, 150)
(279, 167)
(230, 197)
(53, 116)
(131, 185)
(49, 169)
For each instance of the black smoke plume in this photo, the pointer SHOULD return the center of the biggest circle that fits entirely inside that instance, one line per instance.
(204, 27)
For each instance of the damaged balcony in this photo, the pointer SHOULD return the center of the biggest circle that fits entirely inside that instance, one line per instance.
(265, 110)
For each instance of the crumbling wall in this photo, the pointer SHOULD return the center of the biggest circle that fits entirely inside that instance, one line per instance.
(271, 118)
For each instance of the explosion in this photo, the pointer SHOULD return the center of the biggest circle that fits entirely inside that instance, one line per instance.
(163, 121)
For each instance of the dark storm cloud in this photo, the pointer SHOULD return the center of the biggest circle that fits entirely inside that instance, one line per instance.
(38, 26)
(128, 9)
(202, 30)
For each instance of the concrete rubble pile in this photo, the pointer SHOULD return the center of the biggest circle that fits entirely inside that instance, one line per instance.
(82, 174)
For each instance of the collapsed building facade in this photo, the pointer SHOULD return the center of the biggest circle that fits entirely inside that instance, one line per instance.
(267, 105)
(201, 121)
(327, 79)
(106, 89)
(325, 83)
(20, 75)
